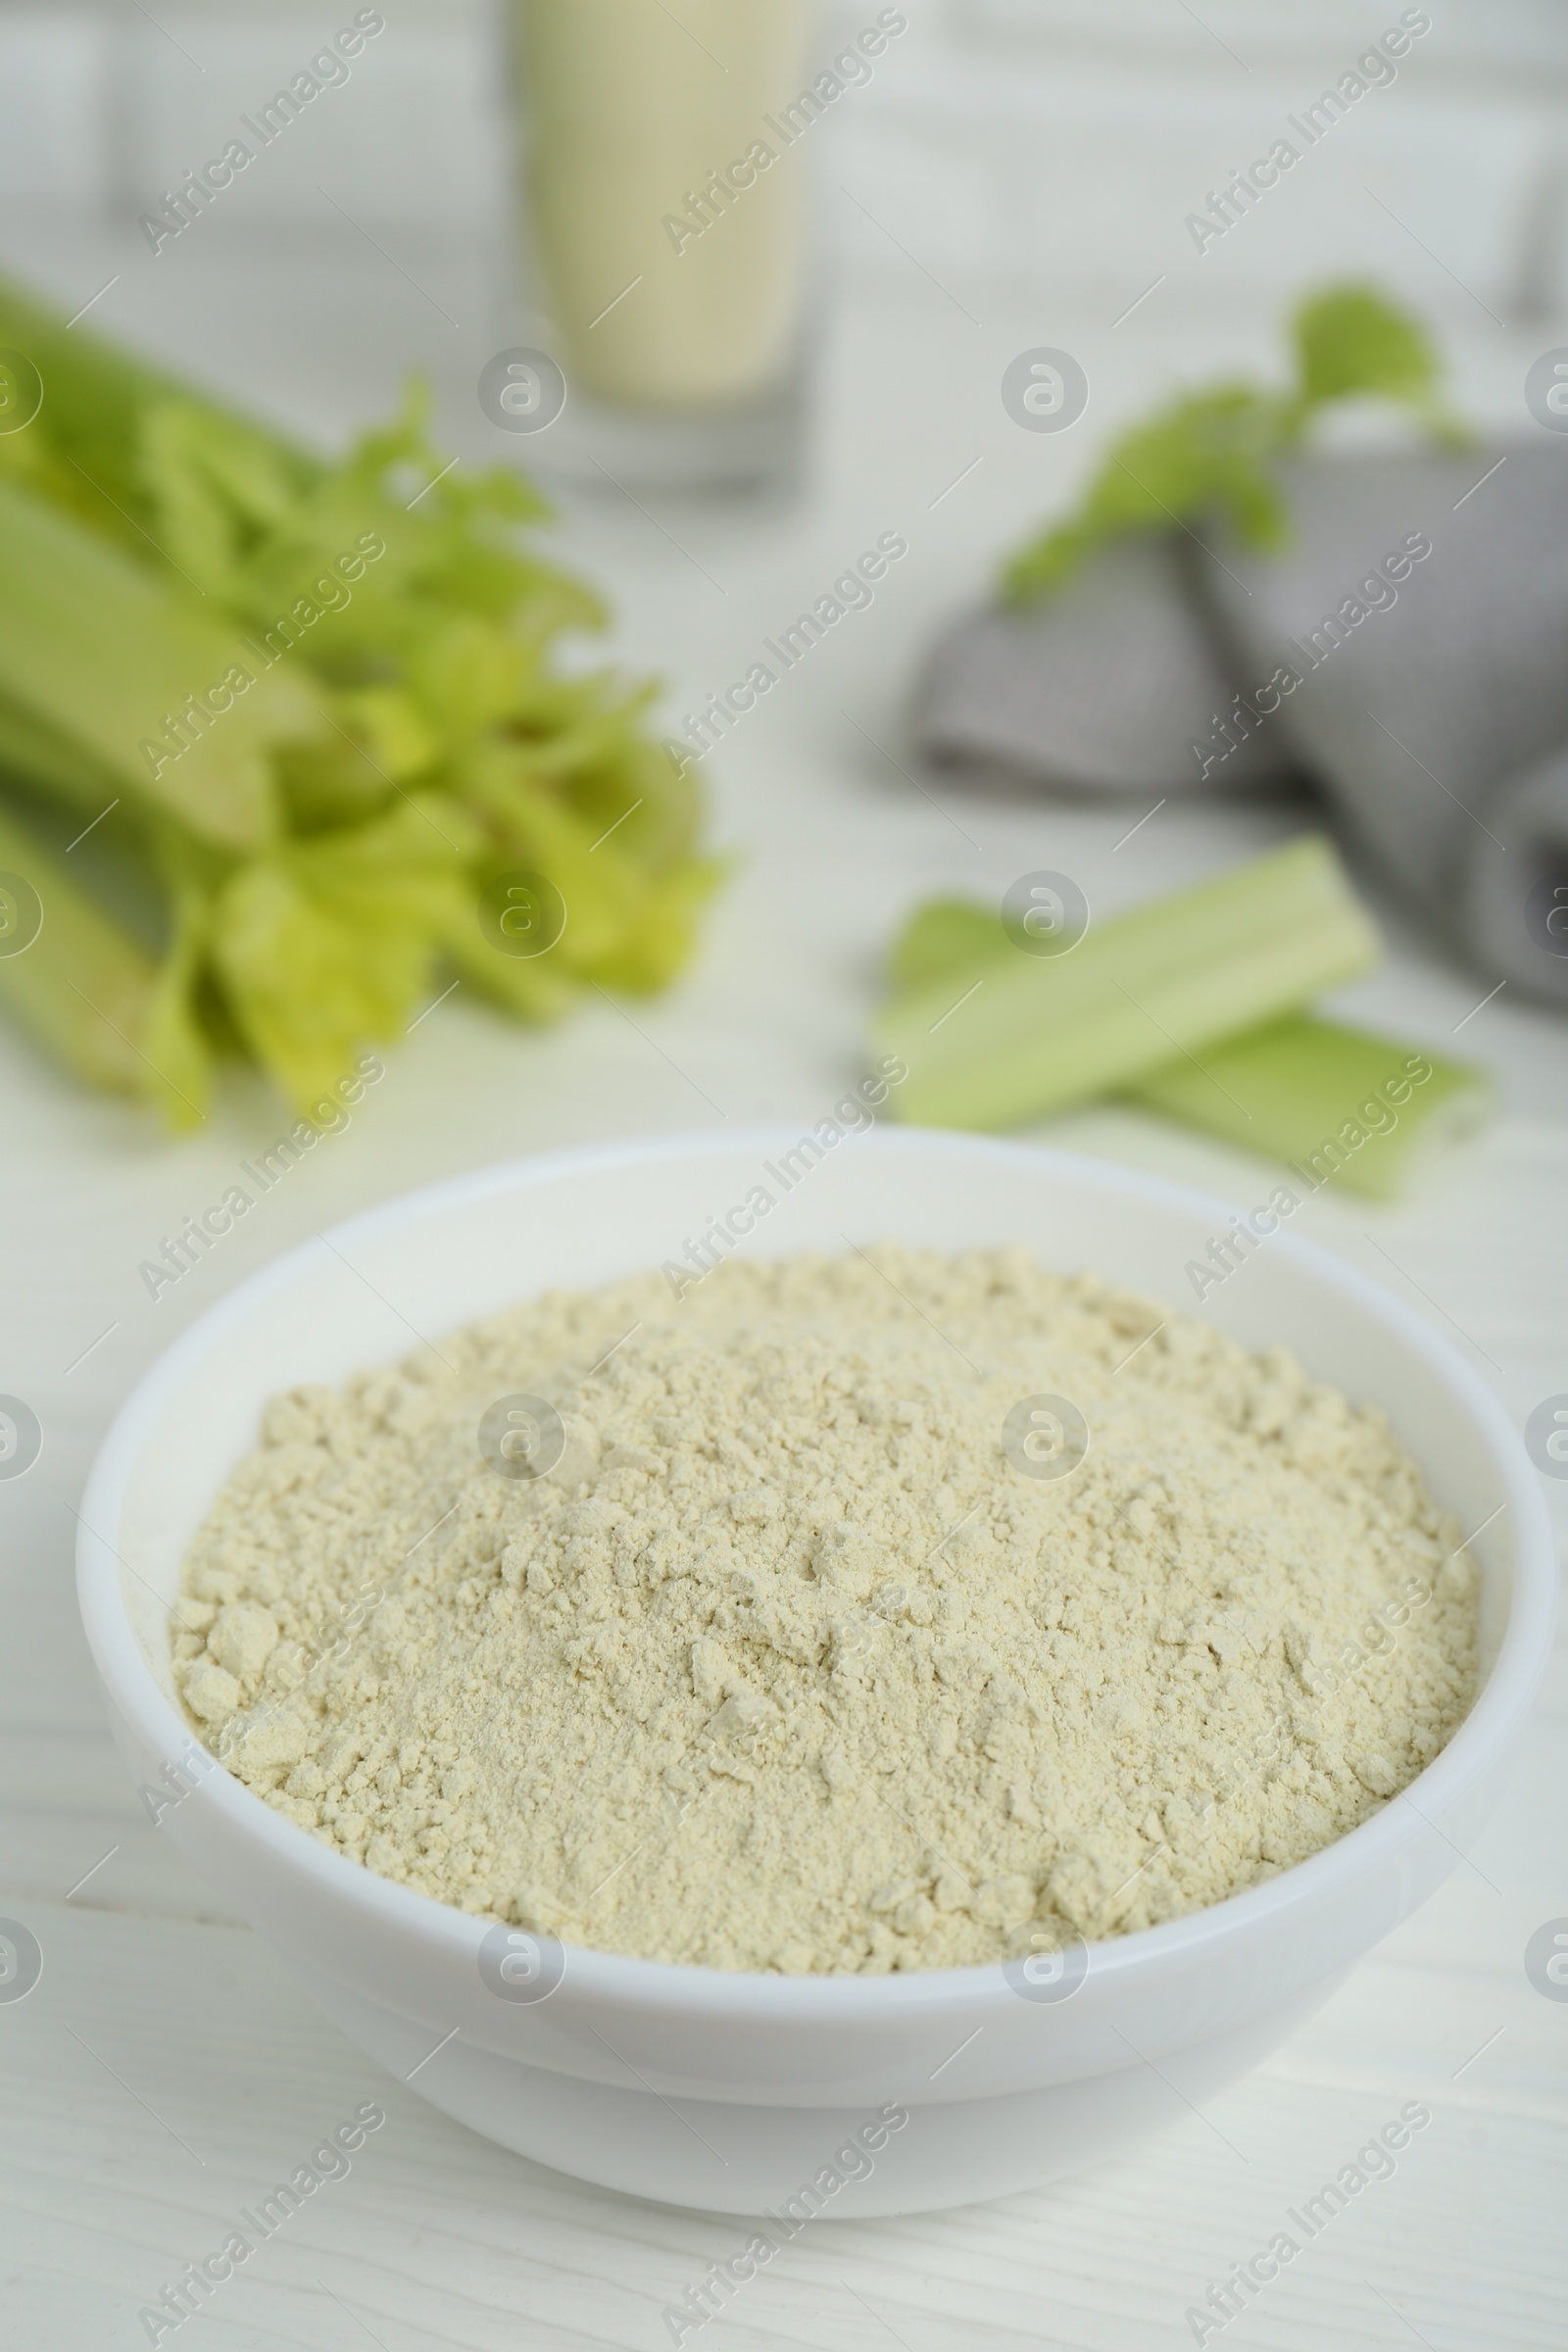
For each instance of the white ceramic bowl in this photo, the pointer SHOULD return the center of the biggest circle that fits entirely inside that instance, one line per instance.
(733, 2091)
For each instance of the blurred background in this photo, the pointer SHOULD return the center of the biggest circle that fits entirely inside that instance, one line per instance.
(1013, 174)
(1027, 146)
(1008, 175)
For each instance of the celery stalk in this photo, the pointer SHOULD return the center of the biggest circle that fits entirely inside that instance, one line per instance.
(94, 648)
(1337, 1103)
(177, 1054)
(95, 395)
(408, 729)
(81, 987)
(1032, 1034)
(941, 937)
(52, 762)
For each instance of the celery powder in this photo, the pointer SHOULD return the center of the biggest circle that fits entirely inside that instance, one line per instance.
(783, 1653)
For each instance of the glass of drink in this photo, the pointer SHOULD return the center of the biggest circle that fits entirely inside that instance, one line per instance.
(663, 239)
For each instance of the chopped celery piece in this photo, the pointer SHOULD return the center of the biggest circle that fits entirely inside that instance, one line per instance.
(93, 647)
(1339, 1104)
(1031, 1033)
(944, 936)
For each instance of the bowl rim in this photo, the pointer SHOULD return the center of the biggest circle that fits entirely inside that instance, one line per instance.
(684, 1989)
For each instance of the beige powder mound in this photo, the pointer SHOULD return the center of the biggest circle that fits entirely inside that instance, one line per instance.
(789, 1665)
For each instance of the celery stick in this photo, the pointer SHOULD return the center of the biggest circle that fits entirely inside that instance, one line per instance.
(95, 396)
(39, 757)
(1032, 1034)
(1339, 1104)
(178, 1054)
(943, 936)
(1297, 1089)
(97, 650)
(81, 987)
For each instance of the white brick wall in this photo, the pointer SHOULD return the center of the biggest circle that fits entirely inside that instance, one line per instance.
(100, 108)
(1051, 143)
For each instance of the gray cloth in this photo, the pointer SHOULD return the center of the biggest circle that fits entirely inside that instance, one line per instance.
(1409, 652)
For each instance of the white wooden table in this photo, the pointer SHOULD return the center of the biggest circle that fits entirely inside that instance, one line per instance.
(163, 2073)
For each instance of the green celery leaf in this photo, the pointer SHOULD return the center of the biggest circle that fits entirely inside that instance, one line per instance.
(1209, 457)
(1351, 343)
(1204, 457)
(656, 944)
(328, 942)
